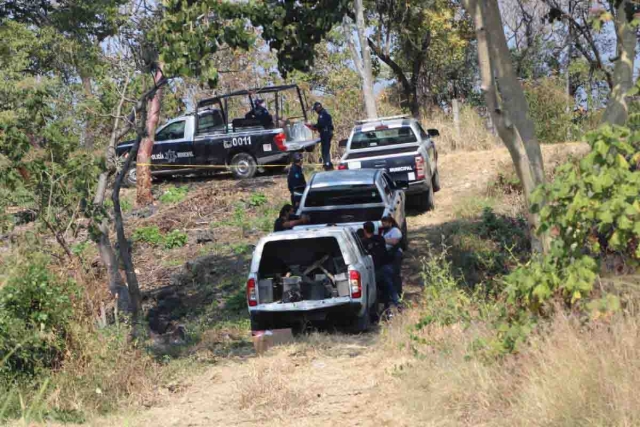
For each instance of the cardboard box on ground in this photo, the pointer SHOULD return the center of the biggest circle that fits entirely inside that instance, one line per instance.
(264, 340)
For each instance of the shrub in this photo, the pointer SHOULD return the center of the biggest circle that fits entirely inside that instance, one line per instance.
(591, 210)
(257, 200)
(150, 235)
(175, 239)
(174, 195)
(548, 103)
(36, 309)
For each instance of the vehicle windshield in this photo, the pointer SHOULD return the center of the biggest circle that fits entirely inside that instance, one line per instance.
(383, 137)
(343, 195)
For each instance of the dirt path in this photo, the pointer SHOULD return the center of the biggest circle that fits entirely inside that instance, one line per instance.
(324, 380)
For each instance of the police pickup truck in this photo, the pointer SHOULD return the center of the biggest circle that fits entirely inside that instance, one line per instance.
(207, 140)
(350, 198)
(400, 146)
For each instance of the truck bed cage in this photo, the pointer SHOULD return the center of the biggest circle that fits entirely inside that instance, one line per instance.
(379, 119)
(245, 92)
(221, 100)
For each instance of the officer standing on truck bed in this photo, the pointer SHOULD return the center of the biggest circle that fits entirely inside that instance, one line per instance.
(325, 127)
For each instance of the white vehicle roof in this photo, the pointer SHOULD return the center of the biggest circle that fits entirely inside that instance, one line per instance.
(344, 177)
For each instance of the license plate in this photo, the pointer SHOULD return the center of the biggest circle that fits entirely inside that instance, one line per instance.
(411, 176)
(355, 165)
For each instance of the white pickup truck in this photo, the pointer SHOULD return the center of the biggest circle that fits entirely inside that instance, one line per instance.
(320, 274)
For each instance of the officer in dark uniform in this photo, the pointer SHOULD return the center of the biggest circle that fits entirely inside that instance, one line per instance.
(296, 178)
(259, 112)
(325, 127)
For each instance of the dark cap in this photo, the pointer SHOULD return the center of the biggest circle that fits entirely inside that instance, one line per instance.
(259, 101)
(316, 105)
(297, 157)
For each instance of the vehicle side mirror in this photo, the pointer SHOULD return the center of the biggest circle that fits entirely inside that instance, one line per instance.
(401, 185)
(343, 143)
(433, 132)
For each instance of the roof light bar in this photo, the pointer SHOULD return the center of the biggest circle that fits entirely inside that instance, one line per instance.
(379, 119)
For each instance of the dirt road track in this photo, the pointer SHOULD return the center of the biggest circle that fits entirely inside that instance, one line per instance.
(326, 380)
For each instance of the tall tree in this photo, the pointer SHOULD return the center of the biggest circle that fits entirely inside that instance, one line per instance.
(506, 102)
(613, 56)
(362, 58)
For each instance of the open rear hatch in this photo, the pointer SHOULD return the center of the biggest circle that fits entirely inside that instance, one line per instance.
(302, 270)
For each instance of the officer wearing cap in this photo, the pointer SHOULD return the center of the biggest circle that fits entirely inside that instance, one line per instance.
(259, 112)
(296, 178)
(325, 128)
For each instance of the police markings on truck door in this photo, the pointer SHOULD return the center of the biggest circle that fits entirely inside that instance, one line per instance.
(237, 142)
(171, 156)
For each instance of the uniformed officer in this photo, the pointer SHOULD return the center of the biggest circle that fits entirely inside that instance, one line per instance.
(325, 127)
(261, 113)
(296, 179)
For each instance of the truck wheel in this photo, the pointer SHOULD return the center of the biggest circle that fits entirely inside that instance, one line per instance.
(404, 244)
(435, 181)
(131, 178)
(427, 200)
(258, 324)
(362, 323)
(243, 166)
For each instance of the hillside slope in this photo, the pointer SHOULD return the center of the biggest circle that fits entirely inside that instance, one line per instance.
(321, 379)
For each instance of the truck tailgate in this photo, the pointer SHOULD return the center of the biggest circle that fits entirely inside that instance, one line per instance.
(346, 215)
(399, 162)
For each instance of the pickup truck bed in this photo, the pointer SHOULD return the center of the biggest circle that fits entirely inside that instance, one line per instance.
(399, 146)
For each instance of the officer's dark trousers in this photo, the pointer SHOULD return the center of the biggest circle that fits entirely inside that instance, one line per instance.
(325, 141)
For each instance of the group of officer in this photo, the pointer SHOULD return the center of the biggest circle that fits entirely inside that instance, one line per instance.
(324, 126)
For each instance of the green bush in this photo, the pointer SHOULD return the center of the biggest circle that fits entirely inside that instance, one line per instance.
(175, 239)
(36, 309)
(548, 103)
(590, 210)
(150, 235)
(257, 200)
(174, 195)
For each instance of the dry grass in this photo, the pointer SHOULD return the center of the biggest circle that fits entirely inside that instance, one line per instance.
(570, 376)
(474, 134)
(273, 389)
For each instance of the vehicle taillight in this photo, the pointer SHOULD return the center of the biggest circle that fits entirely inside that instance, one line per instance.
(419, 167)
(342, 166)
(356, 284)
(279, 140)
(382, 127)
(252, 297)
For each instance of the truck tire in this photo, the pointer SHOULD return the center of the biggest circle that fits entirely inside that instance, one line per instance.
(258, 324)
(435, 181)
(131, 178)
(426, 200)
(362, 322)
(243, 166)
(404, 244)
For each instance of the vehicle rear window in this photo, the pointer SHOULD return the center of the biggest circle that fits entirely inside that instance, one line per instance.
(209, 121)
(382, 137)
(343, 195)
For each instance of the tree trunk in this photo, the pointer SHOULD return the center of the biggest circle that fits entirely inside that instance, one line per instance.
(455, 106)
(367, 72)
(409, 89)
(117, 286)
(510, 120)
(143, 171)
(510, 88)
(617, 110)
(87, 133)
(135, 298)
